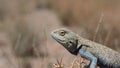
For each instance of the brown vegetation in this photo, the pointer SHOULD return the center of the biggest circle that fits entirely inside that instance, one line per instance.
(25, 28)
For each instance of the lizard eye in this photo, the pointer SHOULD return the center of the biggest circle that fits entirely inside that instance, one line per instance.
(62, 33)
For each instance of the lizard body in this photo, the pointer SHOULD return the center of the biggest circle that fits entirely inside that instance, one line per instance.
(98, 54)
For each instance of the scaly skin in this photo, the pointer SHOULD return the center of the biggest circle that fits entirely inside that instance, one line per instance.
(98, 54)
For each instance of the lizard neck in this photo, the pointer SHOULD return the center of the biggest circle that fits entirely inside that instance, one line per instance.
(83, 42)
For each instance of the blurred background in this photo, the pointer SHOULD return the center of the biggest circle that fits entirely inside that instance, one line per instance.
(25, 27)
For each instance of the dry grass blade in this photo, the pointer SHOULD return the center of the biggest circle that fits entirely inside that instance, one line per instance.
(107, 37)
(98, 26)
(45, 35)
(18, 41)
(73, 63)
(59, 64)
(36, 51)
(78, 62)
(82, 62)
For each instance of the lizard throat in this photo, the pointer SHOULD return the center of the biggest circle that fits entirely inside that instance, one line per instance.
(74, 50)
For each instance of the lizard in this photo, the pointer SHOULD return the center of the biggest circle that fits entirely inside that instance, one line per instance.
(98, 54)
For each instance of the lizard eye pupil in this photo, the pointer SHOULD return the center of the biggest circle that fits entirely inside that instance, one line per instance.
(70, 41)
(62, 33)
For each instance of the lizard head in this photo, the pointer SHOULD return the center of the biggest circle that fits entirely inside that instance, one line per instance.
(66, 38)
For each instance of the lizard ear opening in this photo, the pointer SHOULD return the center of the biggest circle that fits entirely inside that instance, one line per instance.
(77, 45)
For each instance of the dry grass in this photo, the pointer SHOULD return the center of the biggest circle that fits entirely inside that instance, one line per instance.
(78, 62)
(80, 14)
(59, 64)
(98, 27)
